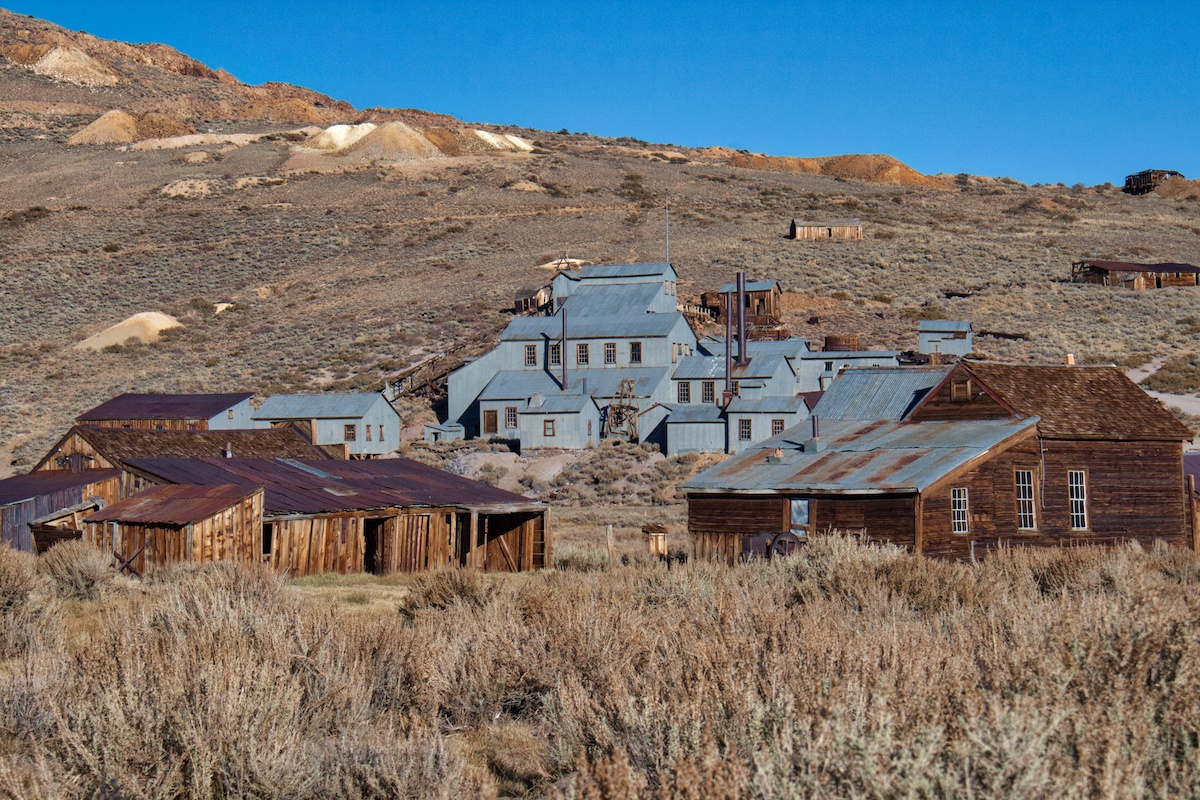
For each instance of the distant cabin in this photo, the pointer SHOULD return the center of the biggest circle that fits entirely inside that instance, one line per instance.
(532, 300)
(945, 337)
(1126, 275)
(837, 229)
(1148, 180)
(173, 412)
(365, 423)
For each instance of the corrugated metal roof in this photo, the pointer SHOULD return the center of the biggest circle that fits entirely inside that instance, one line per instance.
(1125, 266)
(767, 405)
(944, 326)
(658, 268)
(751, 286)
(25, 487)
(790, 348)
(560, 404)
(861, 457)
(1098, 403)
(520, 384)
(335, 405)
(872, 393)
(175, 505)
(119, 444)
(847, 355)
(164, 406)
(694, 368)
(619, 326)
(315, 487)
(681, 414)
(608, 300)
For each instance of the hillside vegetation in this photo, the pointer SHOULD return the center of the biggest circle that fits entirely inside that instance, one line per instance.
(846, 671)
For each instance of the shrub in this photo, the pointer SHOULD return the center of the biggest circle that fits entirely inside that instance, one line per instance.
(78, 571)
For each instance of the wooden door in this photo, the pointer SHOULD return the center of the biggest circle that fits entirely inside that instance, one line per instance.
(490, 423)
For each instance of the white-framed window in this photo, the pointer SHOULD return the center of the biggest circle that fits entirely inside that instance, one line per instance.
(556, 355)
(547, 427)
(708, 392)
(610, 352)
(776, 427)
(1026, 505)
(745, 430)
(1077, 493)
(510, 416)
(531, 355)
(635, 352)
(581, 353)
(684, 392)
(960, 510)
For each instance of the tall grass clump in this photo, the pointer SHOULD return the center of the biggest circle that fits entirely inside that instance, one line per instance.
(78, 570)
(846, 670)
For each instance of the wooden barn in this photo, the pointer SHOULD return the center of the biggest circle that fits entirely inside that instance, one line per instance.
(955, 461)
(837, 229)
(29, 502)
(379, 516)
(531, 301)
(764, 305)
(165, 525)
(1126, 275)
(1148, 180)
(174, 412)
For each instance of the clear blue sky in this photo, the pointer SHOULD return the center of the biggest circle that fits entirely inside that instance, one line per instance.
(1039, 91)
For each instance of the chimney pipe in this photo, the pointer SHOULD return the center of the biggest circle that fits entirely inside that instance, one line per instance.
(816, 427)
(741, 301)
(728, 346)
(228, 450)
(1070, 359)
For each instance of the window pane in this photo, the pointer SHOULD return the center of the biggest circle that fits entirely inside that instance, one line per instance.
(531, 355)
(684, 392)
(708, 391)
(799, 514)
(556, 355)
(635, 352)
(1026, 513)
(776, 427)
(581, 353)
(1077, 492)
(959, 510)
(610, 352)
(744, 429)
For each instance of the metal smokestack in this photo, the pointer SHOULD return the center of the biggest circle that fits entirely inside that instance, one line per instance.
(741, 301)
(728, 349)
(562, 355)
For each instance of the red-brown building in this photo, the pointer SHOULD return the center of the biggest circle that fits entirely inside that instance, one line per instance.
(955, 461)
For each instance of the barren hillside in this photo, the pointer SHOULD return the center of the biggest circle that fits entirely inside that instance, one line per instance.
(345, 264)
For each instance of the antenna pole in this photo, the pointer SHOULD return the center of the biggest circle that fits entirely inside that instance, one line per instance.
(668, 218)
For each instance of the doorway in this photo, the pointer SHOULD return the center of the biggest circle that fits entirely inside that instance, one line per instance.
(373, 546)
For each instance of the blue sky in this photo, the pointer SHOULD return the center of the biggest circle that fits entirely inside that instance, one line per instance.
(1039, 91)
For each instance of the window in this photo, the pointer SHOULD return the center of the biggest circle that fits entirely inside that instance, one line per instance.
(1077, 492)
(960, 510)
(531, 355)
(610, 352)
(381, 433)
(589, 433)
(1026, 508)
(960, 391)
(268, 534)
(736, 388)
(547, 427)
(684, 392)
(556, 355)
(745, 430)
(800, 516)
(635, 352)
(350, 433)
(367, 430)
(229, 414)
(510, 417)
(776, 427)
(829, 366)
(581, 354)
(708, 392)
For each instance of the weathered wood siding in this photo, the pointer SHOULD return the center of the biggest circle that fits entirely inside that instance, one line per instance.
(942, 406)
(152, 424)
(717, 523)
(234, 534)
(826, 232)
(1166, 279)
(889, 519)
(15, 518)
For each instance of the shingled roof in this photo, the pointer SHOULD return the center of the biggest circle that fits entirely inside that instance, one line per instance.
(1081, 402)
(163, 406)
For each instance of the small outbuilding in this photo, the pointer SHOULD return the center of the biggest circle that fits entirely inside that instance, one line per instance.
(173, 412)
(1127, 275)
(836, 229)
(945, 337)
(26, 501)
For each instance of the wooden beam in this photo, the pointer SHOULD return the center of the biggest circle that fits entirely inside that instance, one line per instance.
(474, 558)
(1195, 508)
(918, 529)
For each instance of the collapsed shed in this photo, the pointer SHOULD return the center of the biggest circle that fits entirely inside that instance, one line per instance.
(1127, 275)
(51, 500)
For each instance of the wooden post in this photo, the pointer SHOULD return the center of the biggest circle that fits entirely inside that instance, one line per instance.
(1195, 508)
(918, 530)
(474, 560)
(612, 558)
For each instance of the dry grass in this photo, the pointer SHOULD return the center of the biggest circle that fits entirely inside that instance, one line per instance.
(845, 671)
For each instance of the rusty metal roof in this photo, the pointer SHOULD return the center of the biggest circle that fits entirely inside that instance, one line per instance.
(164, 406)
(175, 505)
(869, 393)
(1125, 266)
(25, 487)
(315, 487)
(121, 444)
(861, 457)
(1080, 402)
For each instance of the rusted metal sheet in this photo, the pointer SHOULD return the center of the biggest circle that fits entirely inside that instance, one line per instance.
(176, 505)
(163, 406)
(1126, 266)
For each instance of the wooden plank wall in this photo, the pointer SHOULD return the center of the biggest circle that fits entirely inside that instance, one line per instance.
(151, 424)
(717, 523)
(75, 445)
(15, 518)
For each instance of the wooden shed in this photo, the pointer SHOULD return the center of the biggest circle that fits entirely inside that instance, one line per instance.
(835, 229)
(165, 525)
(27, 500)
(1127, 275)
(173, 412)
(1148, 180)
(378, 516)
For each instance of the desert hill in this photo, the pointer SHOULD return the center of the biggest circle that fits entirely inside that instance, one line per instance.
(353, 244)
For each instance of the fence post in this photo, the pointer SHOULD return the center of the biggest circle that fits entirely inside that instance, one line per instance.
(608, 534)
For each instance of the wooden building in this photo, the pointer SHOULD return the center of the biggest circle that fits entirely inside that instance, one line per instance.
(953, 462)
(764, 307)
(1148, 180)
(1126, 275)
(364, 424)
(165, 525)
(379, 516)
(26, 501)
(174, 412)
(531, 301)
(836, 229)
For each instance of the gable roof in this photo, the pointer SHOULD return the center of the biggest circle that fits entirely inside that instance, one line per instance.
(655, 268)
(334, 405)
(944, 326)
(751, 286)
(519, 384)
(608, 300)
(1126, 266)
(628, 325)
(174, 505)
(862, 457)
(118, 445)
(163, 406)
(315, 487)
(873, 393)
(33, 484)
(1080, 402)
